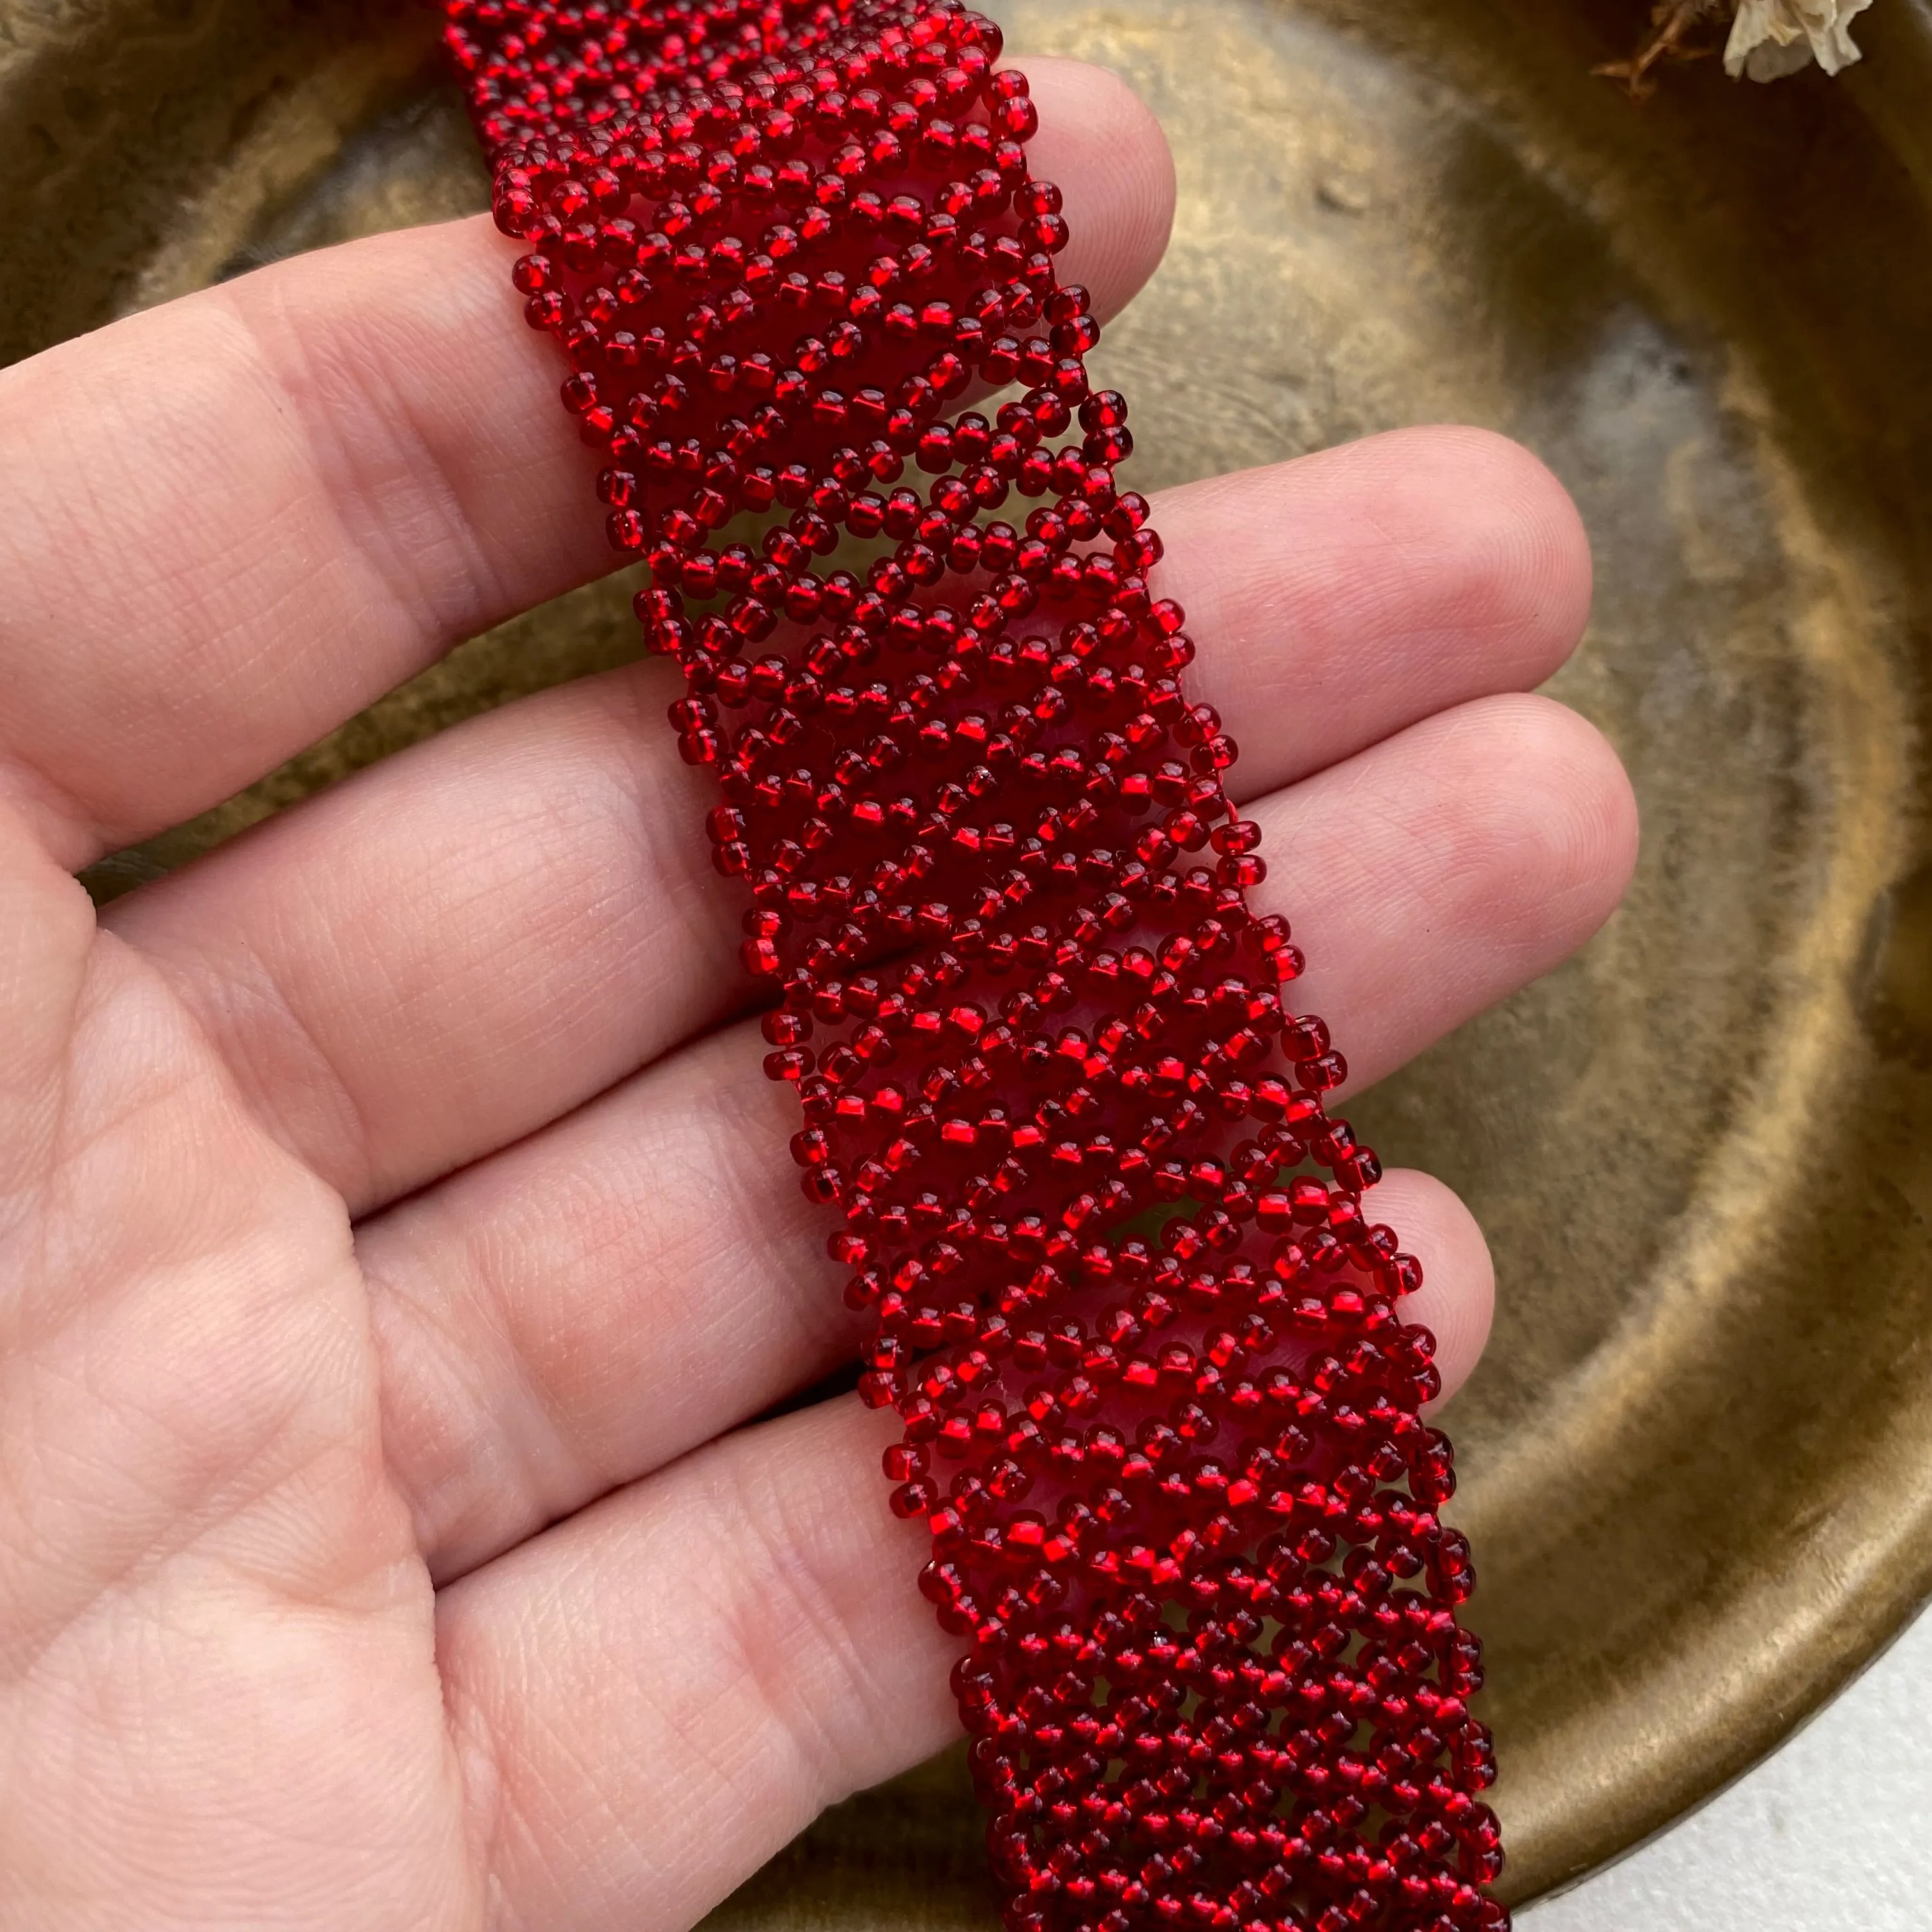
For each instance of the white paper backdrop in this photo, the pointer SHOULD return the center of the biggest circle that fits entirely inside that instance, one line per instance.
(1831, 1833)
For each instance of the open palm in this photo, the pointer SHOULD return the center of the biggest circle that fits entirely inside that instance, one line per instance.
(395, 1232)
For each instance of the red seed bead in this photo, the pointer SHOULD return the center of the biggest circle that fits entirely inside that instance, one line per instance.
(999, 899)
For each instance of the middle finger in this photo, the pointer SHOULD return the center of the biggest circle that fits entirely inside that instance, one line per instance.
(464, 942)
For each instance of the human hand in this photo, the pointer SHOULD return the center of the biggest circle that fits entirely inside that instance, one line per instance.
(396, 1234)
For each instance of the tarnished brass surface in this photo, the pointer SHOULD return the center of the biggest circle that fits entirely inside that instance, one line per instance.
(1698, 1460)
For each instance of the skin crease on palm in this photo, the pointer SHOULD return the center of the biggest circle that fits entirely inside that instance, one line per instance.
(397, 1240)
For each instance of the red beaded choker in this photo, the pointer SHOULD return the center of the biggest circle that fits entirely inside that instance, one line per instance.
(1162, 1416)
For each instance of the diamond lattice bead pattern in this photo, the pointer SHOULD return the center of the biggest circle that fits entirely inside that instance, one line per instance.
(1105, 1242)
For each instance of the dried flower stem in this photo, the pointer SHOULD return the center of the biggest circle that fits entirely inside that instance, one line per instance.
(1673, 23)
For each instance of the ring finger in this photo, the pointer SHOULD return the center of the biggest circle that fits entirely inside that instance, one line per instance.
(656, 1244)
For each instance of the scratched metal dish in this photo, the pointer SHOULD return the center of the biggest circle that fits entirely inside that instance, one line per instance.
(1699, 1457)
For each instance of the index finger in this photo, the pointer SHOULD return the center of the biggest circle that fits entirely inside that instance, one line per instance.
(227, 524)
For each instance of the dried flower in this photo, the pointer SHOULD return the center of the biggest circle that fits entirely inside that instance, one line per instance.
(1768, 38)
(1772, 38)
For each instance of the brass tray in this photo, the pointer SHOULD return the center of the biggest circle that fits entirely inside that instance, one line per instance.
(1699, 1457)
